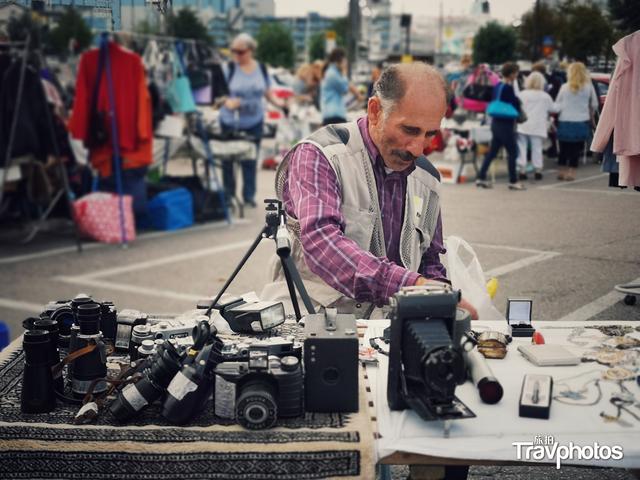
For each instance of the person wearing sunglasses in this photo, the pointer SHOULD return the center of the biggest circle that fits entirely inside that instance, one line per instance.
(243, 110)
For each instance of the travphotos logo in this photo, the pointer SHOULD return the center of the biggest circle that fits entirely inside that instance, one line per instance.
(545, 447)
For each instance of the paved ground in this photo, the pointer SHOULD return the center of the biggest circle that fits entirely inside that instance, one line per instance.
(565, 245)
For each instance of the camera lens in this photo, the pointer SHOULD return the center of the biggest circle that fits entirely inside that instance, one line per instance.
(134, 397)
(443, 369)
(36, 347)
(37, 394)
(51, 326)
(88, 316)
(64, 316)
(256, 408)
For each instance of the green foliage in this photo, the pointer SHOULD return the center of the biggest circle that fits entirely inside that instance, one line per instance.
(275, 45)
(148, 28)
(186, 24)
(625, 15)
(70, 26)
(317, 47)
(494, 44)
(341, 26)
(535, 25)
(586, 31)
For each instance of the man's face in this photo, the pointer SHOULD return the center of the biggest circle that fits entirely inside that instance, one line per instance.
(402, 136)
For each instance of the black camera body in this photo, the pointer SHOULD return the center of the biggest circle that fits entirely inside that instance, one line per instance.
(331, 362)
(426, 363)
(255, 393)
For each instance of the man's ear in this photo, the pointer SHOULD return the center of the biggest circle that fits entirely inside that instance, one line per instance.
(374, 110)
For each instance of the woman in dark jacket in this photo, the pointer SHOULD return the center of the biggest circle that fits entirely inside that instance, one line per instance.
(503, 130)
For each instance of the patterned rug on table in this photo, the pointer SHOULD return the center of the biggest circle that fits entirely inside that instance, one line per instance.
(49, 446)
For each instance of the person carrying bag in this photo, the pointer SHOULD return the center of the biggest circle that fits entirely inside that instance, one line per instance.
(504, 111)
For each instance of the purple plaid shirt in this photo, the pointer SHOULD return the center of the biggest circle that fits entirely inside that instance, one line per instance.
(314, 199)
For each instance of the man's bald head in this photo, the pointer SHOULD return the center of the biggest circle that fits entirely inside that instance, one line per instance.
(409, 79)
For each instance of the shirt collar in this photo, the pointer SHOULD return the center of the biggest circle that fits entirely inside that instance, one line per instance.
(374, 153)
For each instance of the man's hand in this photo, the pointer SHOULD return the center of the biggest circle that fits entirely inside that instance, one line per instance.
(462, 304)
(469, 308)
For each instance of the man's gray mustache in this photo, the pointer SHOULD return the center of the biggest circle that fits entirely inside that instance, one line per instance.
(406, 156)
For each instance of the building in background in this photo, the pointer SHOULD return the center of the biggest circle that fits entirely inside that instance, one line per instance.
(99, 14)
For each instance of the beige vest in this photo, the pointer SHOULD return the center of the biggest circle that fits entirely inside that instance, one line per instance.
(344, 148)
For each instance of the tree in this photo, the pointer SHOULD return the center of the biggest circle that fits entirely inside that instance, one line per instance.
(147, 27)
(586, 33)
(341, 26)
(536, 24)
(71, 28)
(275, 45)
(494, 44)
(625, 15)
(317, 47)
(186, 24)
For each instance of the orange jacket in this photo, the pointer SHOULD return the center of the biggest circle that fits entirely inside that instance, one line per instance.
(132, 107)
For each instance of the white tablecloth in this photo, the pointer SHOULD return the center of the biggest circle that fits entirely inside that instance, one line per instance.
(491, 434)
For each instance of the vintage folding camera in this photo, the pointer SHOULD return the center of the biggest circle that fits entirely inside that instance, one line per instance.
(426, 362)
(257, 392)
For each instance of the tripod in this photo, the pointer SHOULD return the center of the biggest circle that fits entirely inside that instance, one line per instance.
(275, 228)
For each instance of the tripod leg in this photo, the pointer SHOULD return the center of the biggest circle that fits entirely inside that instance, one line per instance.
(292, 288)
(235, 272)
(289, 266)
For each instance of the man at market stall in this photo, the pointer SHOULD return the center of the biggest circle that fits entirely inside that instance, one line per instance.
(363, 204)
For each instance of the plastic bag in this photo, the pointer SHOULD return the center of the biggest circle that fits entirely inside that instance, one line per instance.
(465, 273)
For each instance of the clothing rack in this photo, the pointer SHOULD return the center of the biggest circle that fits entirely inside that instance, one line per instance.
(162, 38)
(65, 190)
(194, 125)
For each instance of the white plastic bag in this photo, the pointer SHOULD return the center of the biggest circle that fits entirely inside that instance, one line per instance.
(465, 273)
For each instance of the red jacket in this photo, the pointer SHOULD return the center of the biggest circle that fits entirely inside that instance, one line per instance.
(132, 107)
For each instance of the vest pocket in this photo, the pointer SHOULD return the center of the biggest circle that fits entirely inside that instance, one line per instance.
(358, 225)
(423, 240)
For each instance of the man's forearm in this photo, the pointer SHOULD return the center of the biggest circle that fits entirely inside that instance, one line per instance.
(356, 273)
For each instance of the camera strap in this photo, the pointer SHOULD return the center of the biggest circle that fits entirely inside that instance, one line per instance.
(56, 370)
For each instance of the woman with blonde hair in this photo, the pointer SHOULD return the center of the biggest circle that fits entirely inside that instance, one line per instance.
(537, 105)
(577, 102)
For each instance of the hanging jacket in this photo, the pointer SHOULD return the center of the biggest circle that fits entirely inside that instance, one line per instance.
(32, 132)
(622, 107)
(132, 107)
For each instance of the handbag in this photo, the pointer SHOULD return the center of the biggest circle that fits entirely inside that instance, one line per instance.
(573, 131)
(499, 109)
(179, 93)
(98, 217)
(480, 89)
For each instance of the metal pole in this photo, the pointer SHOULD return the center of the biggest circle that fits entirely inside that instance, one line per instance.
(354, 33)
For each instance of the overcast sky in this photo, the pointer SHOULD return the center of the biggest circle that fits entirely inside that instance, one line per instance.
(504, 10)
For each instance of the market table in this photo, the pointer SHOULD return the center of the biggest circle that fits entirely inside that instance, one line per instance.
(489, 438)
(49, 446)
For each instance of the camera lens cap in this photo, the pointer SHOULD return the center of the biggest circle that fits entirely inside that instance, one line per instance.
(289, 363)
